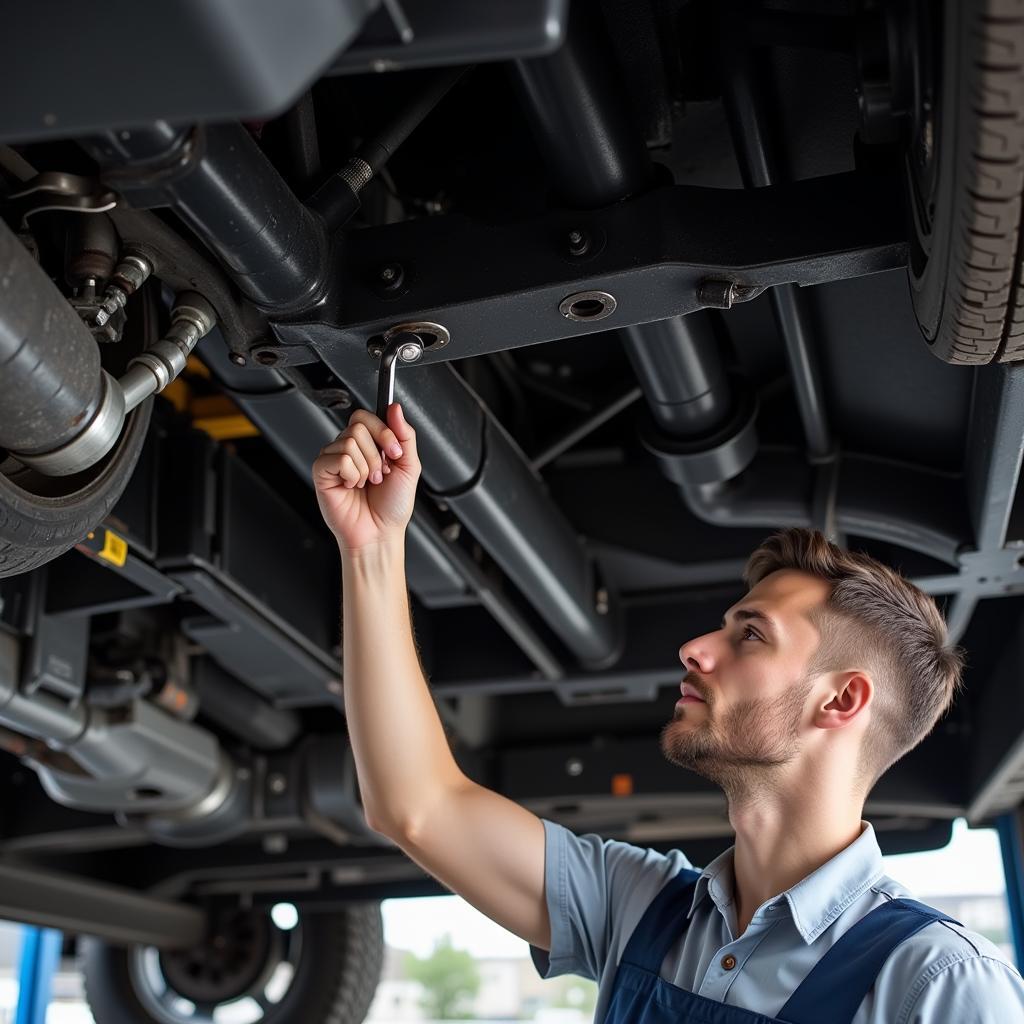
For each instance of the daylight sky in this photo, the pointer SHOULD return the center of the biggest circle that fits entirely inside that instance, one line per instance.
(970, 864)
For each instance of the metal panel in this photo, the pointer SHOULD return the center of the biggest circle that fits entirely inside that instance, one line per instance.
(277, 662)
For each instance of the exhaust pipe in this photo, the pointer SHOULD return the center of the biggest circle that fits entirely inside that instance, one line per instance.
(62, 412)
(52, 389)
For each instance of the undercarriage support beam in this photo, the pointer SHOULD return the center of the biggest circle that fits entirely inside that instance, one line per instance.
(82, 906)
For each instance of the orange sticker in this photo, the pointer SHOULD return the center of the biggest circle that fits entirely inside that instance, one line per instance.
(622, 785)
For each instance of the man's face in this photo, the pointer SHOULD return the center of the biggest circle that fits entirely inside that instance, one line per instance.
(751, 676)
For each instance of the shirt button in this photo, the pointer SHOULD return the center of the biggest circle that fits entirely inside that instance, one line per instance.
(728, 961)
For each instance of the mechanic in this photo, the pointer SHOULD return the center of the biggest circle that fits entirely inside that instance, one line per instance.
(830, 669)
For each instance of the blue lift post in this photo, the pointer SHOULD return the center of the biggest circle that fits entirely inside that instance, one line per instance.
(40, 957)
(1010, 842)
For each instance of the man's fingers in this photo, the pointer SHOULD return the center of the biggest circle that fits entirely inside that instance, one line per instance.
(333, 469)
(355, 453)
(385, 438)
(360, 433)
(403, 432)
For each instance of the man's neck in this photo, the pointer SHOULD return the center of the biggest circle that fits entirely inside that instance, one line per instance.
(781, 838)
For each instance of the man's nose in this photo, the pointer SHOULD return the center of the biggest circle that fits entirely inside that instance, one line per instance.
(698, 654)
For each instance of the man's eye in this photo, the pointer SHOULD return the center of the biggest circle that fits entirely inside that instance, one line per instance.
(753, 634)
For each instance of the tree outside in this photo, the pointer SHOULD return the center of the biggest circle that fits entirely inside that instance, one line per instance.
(449, 977)
(575, 993)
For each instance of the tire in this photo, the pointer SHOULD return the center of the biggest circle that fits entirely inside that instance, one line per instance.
(965, 168)
(334, 981)
(42, 517)
(36, 528)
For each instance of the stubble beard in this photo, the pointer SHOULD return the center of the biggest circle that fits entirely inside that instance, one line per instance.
(743, 751)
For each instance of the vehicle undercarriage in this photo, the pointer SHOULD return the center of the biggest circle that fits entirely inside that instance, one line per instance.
(681, 274)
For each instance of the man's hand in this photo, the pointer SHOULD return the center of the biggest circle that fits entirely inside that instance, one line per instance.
(358, 515)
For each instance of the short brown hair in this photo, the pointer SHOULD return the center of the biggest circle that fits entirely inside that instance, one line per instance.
(874, 619)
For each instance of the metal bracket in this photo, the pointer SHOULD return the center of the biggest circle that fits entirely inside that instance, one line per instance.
(433, 335)
(995, 573)
(55, 190)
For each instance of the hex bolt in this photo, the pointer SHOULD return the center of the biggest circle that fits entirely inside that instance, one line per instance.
(579, 243)
(410, 353)
(237, 358)
(574, 767)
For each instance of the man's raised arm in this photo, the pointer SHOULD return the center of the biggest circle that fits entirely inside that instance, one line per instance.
(476, 842)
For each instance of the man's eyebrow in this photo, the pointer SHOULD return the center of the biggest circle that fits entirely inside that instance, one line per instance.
(746, 614)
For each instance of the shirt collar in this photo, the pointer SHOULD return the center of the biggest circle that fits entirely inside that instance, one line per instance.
(815, 901)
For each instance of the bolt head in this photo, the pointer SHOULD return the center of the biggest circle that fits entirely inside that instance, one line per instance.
(579, 243)
(237, 358)
(391, 276)
(275, 843)
(410, 353)
(574, 766)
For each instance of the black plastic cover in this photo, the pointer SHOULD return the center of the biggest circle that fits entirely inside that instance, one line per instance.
(122, 64)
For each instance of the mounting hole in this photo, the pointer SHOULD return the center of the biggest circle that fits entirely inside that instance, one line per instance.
(587, 306)
(145, 793)
(267, 358)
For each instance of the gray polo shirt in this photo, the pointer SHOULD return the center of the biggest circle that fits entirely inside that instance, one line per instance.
(597, 891)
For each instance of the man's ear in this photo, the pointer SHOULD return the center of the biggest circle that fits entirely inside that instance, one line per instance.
(852, 693)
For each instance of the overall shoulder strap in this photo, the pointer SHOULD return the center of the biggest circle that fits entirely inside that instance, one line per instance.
(663, 922)
(843, 976)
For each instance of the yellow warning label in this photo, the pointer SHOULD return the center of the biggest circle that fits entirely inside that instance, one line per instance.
(114, 550)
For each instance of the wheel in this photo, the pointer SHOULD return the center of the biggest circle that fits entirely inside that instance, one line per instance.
(42, 516)
(325, 970)
(965, 175)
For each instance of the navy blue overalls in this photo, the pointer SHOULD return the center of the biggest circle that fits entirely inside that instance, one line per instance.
(832, 991)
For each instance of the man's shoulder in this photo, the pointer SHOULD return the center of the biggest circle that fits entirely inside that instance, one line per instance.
(938, 948)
